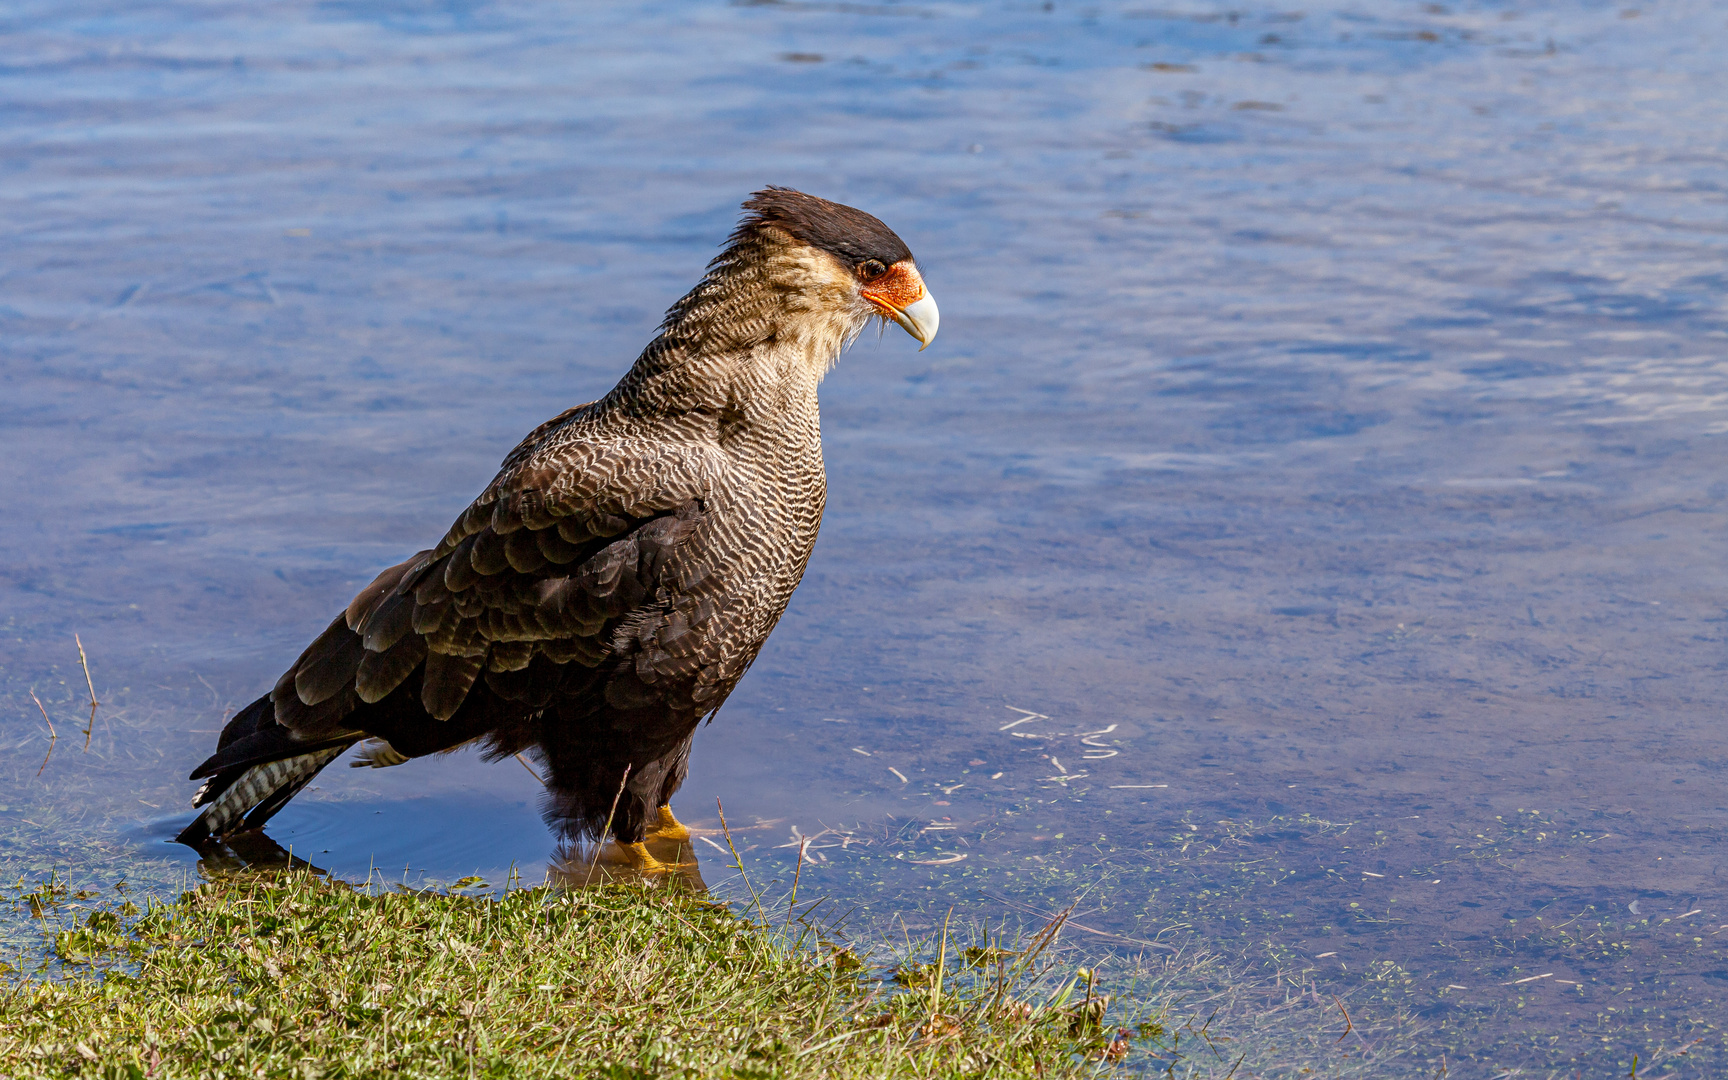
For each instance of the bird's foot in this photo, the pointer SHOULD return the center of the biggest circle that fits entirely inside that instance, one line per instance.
(669, 827)
(639, 859)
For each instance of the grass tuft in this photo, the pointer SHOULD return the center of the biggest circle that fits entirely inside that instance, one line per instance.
(294, 975)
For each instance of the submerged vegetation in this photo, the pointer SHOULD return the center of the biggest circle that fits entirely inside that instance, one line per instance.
(291, 974)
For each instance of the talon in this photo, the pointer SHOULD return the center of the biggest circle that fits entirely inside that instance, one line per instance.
(670, 827)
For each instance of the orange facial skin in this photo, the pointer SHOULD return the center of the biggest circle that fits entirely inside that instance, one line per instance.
(899, 287)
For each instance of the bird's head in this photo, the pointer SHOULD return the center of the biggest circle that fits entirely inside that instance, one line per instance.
(841, 260)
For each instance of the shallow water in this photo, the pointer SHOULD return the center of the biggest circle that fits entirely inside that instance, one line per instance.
(1327, 415)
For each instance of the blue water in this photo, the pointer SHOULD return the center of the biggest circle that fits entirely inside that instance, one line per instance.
(1331, 400)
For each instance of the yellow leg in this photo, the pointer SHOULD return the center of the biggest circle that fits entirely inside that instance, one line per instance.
(641, 861)
(670, 827)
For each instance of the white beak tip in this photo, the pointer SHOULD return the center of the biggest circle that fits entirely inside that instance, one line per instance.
(920, 319)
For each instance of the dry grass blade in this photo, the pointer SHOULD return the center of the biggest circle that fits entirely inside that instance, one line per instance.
(601, 842)
(85, 662)
(792, 904)
(537, 776)
(1010, 975)
(53, 736)
(1116, 939)
(738, 861)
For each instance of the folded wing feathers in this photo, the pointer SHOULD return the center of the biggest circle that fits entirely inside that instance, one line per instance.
(575, 531)
(446, 682)
(522, 551)
(382, 672)
(369, 596)
(390, 618)
(509, 655)
(488, 554)
(555, 548)
(531, 568)
(459, 572)
(328, 664)
(313, 721)
(429, 614)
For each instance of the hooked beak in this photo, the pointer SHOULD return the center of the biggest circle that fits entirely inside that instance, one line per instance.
(920, 319)
(900, 295)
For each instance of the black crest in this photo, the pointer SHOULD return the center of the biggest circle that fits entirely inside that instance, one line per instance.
(848, 234)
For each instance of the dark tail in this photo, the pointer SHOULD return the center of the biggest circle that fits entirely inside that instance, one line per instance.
(258, 766)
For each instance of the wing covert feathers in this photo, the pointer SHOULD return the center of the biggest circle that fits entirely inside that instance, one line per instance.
(565, 543)
(598, 598)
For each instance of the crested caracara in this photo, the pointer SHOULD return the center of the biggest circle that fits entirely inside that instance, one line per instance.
(608, 589)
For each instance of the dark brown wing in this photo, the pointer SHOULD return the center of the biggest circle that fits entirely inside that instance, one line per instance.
(575, 553)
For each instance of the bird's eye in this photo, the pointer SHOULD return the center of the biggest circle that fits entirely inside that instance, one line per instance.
(871, 269)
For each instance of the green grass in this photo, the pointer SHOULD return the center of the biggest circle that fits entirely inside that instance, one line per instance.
(294, 975)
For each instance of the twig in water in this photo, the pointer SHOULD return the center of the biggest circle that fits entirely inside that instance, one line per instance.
(542, 780)
(53, 735)
(1027, 717)
(1210, 1045)
(1349, 1025)
(85, 661)
(608, 828)
(82, 659)
(739, 861)
(1117, 938)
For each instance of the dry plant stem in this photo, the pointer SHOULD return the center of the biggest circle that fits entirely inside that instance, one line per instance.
(1045, 938)
(85, 661)
(595, 861)
(792, 904)
(738, 860)
(53, 736)
(542, 780)
(990, 1002)
(1023, 971)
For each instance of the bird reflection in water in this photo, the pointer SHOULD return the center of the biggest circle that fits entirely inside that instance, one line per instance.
(571, 866)
(250, 850)
(670, 842)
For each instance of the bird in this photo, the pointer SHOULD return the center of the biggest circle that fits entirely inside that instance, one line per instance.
(603, 595)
